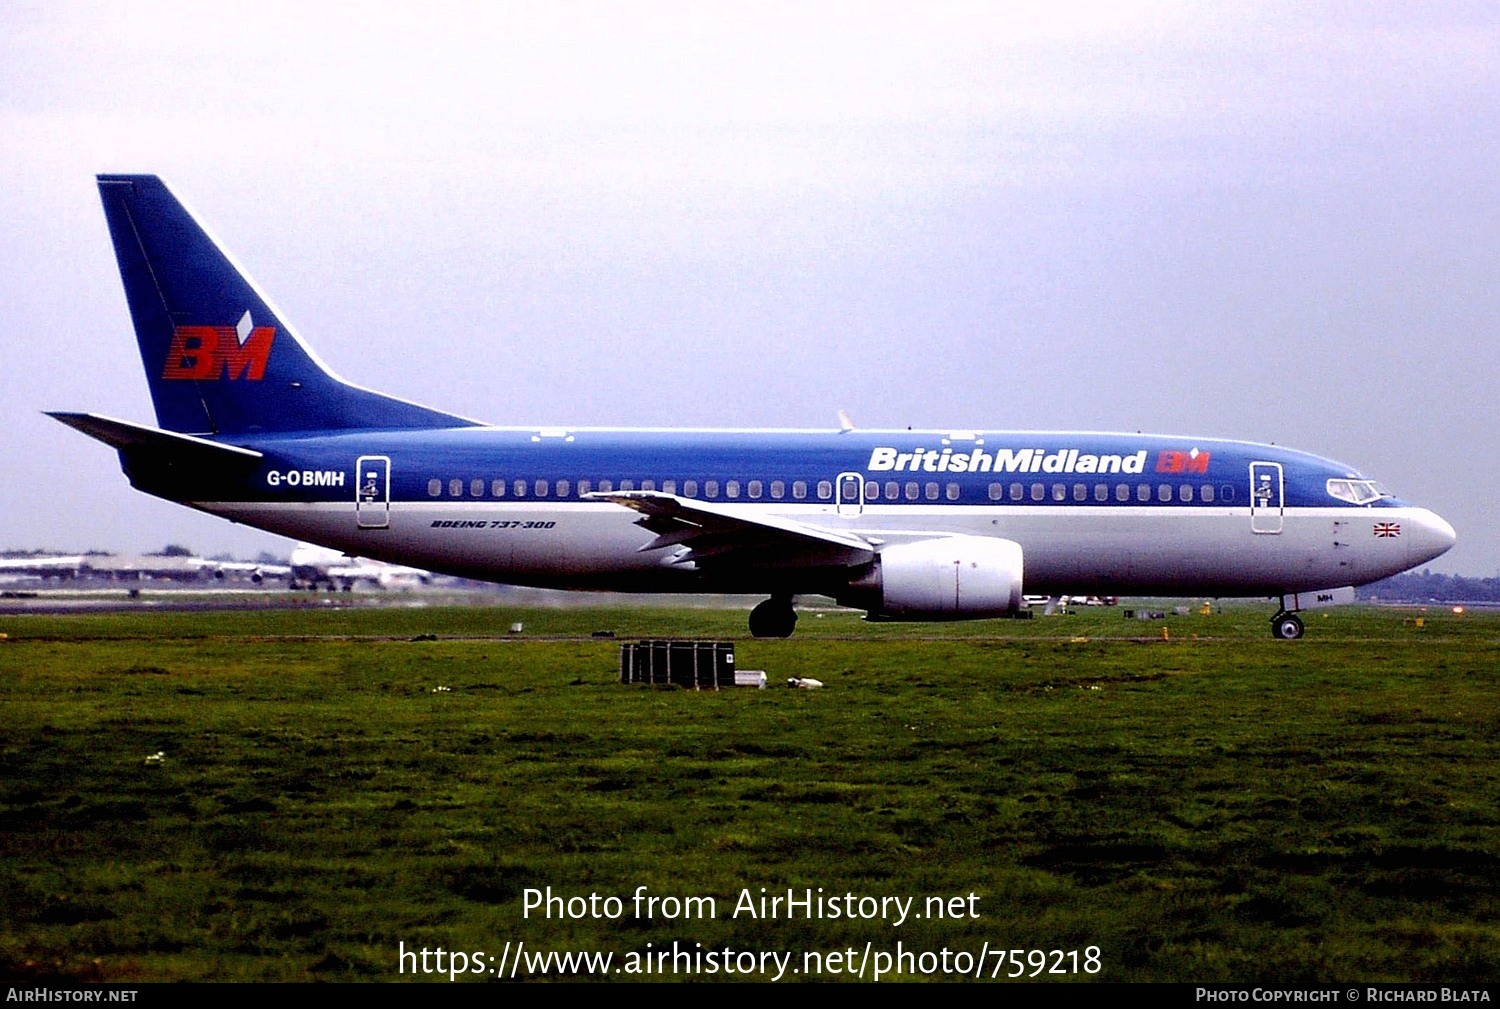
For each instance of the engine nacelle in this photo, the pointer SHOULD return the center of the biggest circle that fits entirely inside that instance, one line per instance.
(947, 578)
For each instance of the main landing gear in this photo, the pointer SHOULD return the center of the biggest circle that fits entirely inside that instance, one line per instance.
(1286, 626)
(773, 618)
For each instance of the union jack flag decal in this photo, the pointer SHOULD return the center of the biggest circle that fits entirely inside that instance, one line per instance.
(1387, 528)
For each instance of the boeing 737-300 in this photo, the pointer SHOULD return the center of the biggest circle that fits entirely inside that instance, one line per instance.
(907, 525)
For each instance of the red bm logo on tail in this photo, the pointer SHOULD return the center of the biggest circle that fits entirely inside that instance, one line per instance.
(214, 352)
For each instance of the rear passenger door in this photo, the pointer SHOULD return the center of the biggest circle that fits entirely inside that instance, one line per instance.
(372, 491)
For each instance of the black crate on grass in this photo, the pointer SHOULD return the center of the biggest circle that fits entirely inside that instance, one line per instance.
(698, 665)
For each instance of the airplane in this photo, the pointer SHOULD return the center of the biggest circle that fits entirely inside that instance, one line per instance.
(907, 525)
(60, 566)
(169, 567)
(312, 565)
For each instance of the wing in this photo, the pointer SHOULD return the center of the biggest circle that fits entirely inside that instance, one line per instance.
(708, 534)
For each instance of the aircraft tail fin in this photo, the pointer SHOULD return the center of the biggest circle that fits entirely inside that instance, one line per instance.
(219, 358)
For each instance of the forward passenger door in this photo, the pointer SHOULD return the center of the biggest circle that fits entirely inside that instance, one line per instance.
(1266, 497)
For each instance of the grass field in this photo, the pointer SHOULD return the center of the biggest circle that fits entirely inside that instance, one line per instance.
(294, 795)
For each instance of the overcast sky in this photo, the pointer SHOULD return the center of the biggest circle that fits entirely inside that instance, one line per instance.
(1263, 221)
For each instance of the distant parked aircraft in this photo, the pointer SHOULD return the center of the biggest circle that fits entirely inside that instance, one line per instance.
(44, 566)
(312, 565)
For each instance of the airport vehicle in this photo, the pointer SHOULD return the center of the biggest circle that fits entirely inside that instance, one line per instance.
(908, 525)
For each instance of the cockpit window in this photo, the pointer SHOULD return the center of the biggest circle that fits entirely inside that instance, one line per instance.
(1357, 491)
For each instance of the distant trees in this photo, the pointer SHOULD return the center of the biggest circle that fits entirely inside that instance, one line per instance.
(1424, 586)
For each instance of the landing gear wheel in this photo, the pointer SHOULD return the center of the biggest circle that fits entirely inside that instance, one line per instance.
(1286, 626)
(773, 618)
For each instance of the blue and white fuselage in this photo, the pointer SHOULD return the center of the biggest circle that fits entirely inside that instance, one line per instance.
(906, 524)
(543, 507)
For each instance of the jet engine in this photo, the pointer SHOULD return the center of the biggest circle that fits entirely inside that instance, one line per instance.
(947, 578)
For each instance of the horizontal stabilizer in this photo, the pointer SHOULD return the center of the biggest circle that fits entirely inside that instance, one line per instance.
(124, 435)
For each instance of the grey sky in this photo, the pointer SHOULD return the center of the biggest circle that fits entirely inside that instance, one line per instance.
(1262, 221)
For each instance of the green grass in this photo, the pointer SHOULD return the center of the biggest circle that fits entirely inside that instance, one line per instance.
(1217, 806)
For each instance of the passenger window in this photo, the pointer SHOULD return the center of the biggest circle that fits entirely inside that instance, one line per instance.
(519, 487)
(872, 491)
(1122, 492)
(952, 492)
(1059, 492)
(799, 489)
(892, 490)
(931, 490)
(753, 489)
(825, 490)
(732, 489)
(1164, 492)
(605, 486)
(476, 487)
(1206, 493)
(1185, 492)
(497, 487)
(669, 486)
(455, 488)
(648, 485)
(1226, 492)
(562, 488)
(583, 487)
(913, 491)
(1101, 492)
(434, 487)
(996, 492)
(778, 489)
(1143, 492)
(690, 488)
(1080, 492)
(1017, 492)
(1038, 492)
(627, 485)
(710, 488)
(541, 488)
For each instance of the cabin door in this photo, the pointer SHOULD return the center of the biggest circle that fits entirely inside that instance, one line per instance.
(372, 491)
(1266, 497)
(850, 490)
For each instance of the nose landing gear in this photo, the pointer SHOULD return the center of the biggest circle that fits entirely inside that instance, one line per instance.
(1286, 626)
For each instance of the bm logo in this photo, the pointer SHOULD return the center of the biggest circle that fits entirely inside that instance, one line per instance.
(214, 352)
(1169, 461)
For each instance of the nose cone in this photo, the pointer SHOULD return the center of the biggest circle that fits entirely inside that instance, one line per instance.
(1429, 536)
